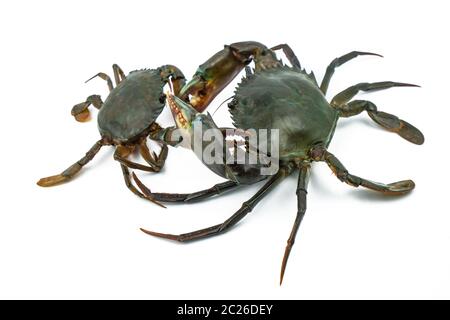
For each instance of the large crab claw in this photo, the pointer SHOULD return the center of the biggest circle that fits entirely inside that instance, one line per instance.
(219, 70)
(194, 127)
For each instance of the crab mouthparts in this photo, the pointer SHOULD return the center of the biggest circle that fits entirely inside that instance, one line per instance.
(176, 112)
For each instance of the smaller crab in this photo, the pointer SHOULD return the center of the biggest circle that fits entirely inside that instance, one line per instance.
(125, 120)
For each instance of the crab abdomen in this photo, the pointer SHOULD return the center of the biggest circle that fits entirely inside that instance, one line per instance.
(287, 100)
(132, 106)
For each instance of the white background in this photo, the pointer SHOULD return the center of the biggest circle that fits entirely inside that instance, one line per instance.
(81, 239)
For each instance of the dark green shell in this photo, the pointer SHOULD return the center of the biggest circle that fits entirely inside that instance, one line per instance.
(289, 100)
(132, 106)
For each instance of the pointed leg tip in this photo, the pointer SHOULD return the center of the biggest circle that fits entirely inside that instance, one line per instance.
(140, 184)
(160, 235)
(155, 201)
(160, 204)
(372, 54)
(151, 199)
(149, 232)
(402, 84)
(146, 191)
(94, 76)
(284, 263)
(282, 272)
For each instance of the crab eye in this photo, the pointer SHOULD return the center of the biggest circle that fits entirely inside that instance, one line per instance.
(201, 93)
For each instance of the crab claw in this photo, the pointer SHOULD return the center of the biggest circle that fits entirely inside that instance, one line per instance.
(197, 88)
(191, 125)
(183, 113)
(209, 81)
(218, 71)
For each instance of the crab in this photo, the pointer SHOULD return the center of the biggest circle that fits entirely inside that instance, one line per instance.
(289, 99)
(125, 120)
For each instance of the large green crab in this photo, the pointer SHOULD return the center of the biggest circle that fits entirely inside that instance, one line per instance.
(288, 99)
